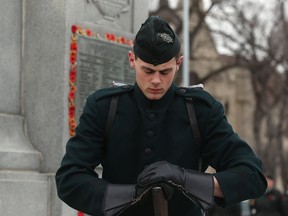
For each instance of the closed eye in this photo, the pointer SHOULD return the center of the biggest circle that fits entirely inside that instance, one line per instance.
(147, 70)
(166, 71)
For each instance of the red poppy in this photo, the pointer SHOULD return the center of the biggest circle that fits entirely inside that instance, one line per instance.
(123, 40)
(89, 32)
(73, 46)
(71, 95)
(72, 76)
(74, 29)
(73, 56)
(113, 37)
(107, 36)
(271, 197)
(71, 111)
(80, 214)
(110, 37)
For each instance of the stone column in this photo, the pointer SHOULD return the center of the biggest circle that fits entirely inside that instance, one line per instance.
(16, 151)
(21, 184)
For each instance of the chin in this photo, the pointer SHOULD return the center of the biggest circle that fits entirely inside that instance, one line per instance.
(154, 97)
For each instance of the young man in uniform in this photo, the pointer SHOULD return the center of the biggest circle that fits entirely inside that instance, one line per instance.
(151, 142)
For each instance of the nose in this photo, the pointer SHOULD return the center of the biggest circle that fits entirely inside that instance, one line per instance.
(156, 79)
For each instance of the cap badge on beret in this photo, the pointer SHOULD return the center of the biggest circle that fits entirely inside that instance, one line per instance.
(165, 37)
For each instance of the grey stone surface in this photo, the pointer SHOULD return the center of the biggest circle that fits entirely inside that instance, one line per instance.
(56, 207)
(44, 82)
(23, 193)
(10, 75)
(34, 85)
(16, 152)
(131, 15)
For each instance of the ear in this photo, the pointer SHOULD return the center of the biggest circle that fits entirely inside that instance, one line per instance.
(131, 58)
(179, 62)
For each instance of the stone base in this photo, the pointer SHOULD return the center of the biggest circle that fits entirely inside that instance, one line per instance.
(23, 193)
(30, 194)
(16, 152)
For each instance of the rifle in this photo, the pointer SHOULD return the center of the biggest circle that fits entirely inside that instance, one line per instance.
(159, 202)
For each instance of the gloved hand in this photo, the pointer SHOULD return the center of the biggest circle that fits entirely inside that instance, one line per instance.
(168, 189)
(196, 184)
(161, 171)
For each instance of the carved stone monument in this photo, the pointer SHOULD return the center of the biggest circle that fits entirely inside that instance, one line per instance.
(99, 63)
(35, 86)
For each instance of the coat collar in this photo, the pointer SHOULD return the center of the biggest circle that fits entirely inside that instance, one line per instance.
(143, 101)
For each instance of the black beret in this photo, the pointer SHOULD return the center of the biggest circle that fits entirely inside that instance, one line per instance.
(156, 42)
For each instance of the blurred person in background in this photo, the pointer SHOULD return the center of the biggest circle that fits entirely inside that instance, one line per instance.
(270, 204)
(285, 200)
(234, 210)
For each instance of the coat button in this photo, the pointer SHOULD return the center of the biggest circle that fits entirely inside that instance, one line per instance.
(150, 133)
(182, 90)
(148, 151)
(152, 116)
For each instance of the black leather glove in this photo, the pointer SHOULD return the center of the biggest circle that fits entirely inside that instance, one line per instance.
(120, 198)
(117, 198)
(168, 189)
(195, 184)
(161, 171)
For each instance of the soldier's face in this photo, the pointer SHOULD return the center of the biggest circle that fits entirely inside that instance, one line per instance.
(154, 81)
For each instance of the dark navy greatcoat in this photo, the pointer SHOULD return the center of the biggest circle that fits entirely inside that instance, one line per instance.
(146, 131)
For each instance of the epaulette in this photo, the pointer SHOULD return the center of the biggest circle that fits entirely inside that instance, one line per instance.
(197, 92)
(113, 90)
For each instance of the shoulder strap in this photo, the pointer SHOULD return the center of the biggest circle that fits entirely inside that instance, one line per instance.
(195, 128)
(111, 114)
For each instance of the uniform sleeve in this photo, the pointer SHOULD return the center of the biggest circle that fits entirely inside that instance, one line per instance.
(77, 183)
(238, 169)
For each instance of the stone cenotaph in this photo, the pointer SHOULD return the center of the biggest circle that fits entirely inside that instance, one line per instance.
(53, 53)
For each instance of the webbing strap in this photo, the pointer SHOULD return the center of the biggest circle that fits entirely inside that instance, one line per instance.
(195, 129)
(111, 114)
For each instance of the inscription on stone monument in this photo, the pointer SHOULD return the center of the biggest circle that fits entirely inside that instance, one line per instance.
(99, 63)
